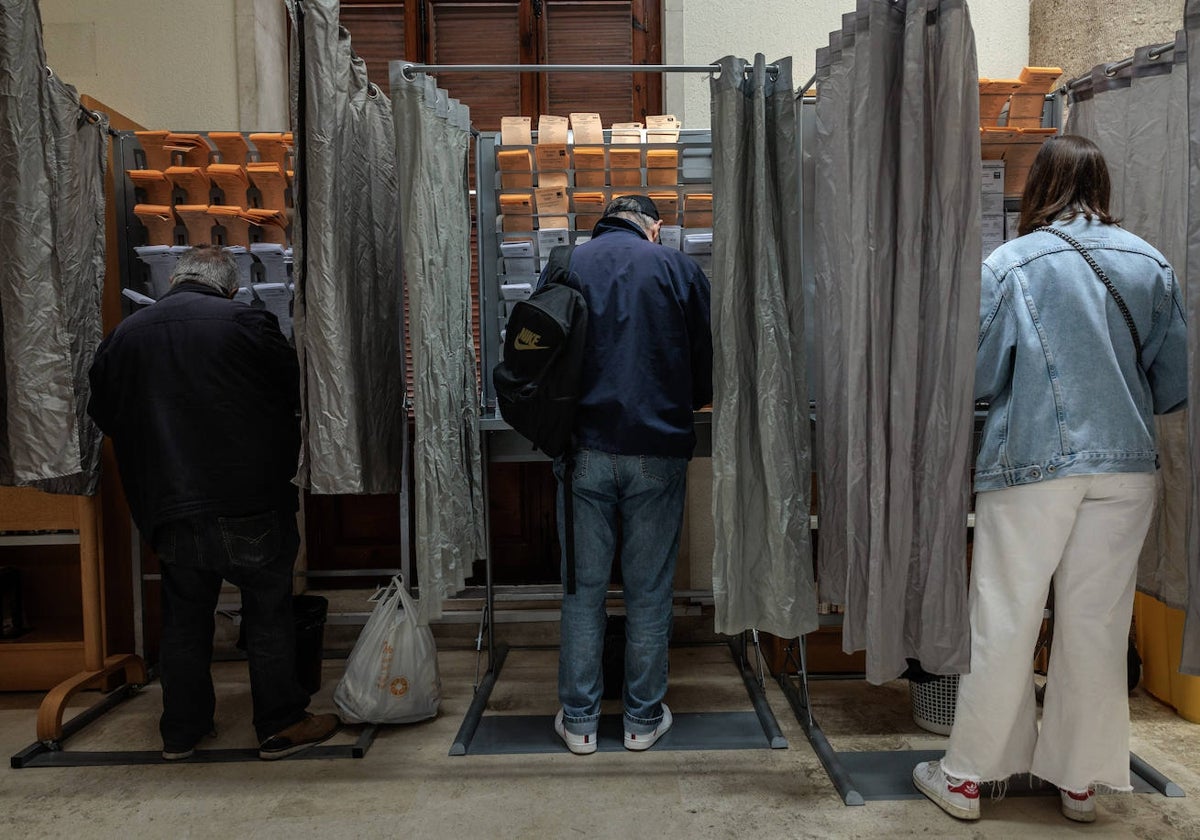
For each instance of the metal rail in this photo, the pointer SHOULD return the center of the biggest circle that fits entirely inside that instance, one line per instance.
(411, 69)
(1111, 69)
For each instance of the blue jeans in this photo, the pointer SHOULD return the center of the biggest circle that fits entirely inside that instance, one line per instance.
(645, 494)
(256, 554)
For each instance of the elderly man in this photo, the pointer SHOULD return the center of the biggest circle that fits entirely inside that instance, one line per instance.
(647, 366)
(199, 394)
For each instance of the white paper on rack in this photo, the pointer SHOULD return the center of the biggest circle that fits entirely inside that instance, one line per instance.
(516, 291)
(697, 243)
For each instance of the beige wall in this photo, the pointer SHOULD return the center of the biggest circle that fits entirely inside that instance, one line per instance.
(1113, 30)
(180, 64)
(702, 31)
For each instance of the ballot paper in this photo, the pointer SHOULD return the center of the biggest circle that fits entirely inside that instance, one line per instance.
(515, 131)
(276, 298)
(161, 260)
(552, 129)
(138, 298)
(587, 128)
(516, 291)
(271, 257)
(547, 240)
(662, 128)
(670, 236)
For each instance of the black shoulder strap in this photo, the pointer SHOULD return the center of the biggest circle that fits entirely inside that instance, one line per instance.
(559, 265)
(1112, 290)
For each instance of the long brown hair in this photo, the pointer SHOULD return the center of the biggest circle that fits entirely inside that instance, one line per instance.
(1068, 178)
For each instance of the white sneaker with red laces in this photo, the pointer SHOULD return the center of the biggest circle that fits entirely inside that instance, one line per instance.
(1078, 805)
(957, 797)
(578, 744)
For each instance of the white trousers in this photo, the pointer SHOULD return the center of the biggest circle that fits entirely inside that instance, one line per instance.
(1085, 533)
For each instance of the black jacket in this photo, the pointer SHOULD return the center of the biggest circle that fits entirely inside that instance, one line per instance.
(200, 396)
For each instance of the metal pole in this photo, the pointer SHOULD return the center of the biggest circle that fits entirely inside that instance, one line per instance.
(1156, 52)
(410, 69)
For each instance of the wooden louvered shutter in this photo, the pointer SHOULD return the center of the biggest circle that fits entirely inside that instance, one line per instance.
(377, 34)
(465, 32)
(601, 32)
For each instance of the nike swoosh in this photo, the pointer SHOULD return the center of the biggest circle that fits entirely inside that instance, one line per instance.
(518, 344)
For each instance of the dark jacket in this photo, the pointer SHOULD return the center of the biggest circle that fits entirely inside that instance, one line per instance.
(199, 395)
(648, 359)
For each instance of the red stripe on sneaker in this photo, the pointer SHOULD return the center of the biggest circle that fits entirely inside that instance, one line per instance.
(968, 789)
(1078, 797)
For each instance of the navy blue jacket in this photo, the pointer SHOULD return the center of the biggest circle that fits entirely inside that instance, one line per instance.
(648, 359)
(199, 394)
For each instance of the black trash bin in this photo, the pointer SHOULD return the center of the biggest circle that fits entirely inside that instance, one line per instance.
(309, 612)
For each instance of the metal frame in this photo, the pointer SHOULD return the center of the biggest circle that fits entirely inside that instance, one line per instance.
(796, 689)
(499, 443)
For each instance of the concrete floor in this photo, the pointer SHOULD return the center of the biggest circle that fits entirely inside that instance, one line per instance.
(408, 786)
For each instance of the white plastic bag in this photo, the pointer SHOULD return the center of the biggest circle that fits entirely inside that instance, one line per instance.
(392, 673)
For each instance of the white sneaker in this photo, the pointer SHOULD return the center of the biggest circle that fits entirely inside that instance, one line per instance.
(1078, 806)
(957, 797)
(639, 741)
(578, 744)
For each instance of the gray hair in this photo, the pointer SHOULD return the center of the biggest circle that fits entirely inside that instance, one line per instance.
(628, 209)
(208, 265)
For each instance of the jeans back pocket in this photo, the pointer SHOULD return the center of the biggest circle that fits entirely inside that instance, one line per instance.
(251, 542)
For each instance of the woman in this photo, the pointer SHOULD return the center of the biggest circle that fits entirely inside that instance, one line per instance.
(1065, 487)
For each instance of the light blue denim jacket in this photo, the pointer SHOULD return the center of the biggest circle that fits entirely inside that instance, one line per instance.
(1056, 360)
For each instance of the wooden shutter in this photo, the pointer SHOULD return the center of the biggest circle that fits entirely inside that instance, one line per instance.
(464, 32)
(377, 35)
(602, 32)
(589, 33)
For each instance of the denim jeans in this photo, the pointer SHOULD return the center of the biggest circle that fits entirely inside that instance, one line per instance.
(256, 554)
(645, 494)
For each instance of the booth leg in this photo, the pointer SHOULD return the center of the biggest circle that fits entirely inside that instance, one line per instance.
(50, 712)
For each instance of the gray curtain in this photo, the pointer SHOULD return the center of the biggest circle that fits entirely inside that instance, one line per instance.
(762, 557)
(432, 136)
(1190, 660)
(1111, 100)
(1138, 118)
(51, 265)
(897, 231)
(349, 300)
(1081, 118)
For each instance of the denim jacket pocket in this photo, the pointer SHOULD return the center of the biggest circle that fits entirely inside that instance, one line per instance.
(251, 542)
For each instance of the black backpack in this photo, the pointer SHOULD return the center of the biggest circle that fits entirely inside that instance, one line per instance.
(537, 381)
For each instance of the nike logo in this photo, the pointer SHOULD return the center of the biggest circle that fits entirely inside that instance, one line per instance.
(527, 339)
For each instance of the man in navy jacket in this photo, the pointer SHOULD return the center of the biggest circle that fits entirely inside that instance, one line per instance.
(648, 366)
(199, 394)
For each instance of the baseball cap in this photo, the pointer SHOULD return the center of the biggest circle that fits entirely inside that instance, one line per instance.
(644, 205)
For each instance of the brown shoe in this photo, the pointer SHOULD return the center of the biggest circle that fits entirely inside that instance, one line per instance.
(309, 732)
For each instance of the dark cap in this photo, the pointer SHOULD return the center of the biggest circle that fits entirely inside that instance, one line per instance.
(632, 203)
